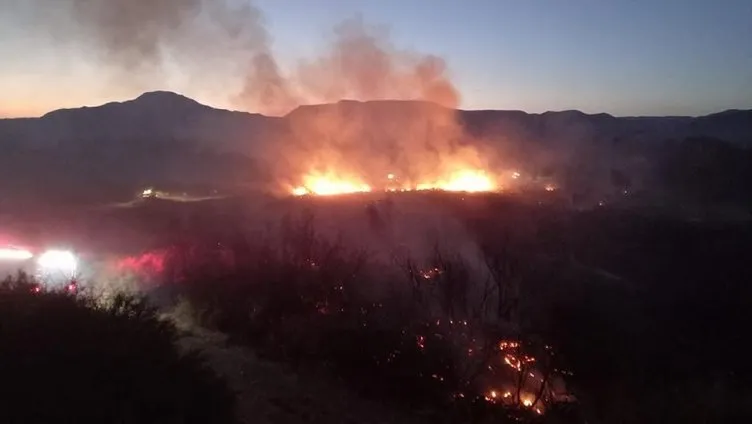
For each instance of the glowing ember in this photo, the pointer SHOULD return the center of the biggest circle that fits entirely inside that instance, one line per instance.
(503, 345)
(528, 381)
(513, 362)
(526, 400)
(430, 273)
(421, 341)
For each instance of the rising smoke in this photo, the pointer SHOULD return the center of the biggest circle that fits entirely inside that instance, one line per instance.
(363, 64)
(226, 44)
(214, 38)
(140, 40)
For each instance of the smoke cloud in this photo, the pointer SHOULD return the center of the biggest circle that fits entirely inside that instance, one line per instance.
(227, 40)
(218, 42)
(206, 41)
(362, 64)
(133, 33)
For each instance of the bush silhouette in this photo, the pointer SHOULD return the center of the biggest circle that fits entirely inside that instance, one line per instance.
(388, 331)
(66, 358)
(658, 342)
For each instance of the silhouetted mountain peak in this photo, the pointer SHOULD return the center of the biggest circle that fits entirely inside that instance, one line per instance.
(165, 98)
(568, 112)
(382, 108)
(163, 136)
(577, 114)
(731, 114)
(166, 115)
(150, 102)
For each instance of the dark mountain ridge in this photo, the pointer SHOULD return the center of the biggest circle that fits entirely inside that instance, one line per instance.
(169, 115)
(166, 137)
(155, 115)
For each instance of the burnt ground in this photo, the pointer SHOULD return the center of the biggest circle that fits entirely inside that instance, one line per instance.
(271, 393)
(636, 303)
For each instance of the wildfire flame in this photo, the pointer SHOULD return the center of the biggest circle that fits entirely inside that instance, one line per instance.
(327, 184)
(519, 362)
(466, 180)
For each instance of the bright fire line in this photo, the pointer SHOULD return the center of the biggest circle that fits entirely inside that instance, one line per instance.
(330, 184)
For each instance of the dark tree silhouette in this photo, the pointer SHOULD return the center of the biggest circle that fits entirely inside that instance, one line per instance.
(64, 358)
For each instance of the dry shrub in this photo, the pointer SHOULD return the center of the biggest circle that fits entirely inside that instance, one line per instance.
(70, 356)
(400, 331)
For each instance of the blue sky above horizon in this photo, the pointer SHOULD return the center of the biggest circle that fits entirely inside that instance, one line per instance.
(638, 57)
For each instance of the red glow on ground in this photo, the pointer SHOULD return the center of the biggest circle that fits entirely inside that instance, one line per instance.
(146, 263)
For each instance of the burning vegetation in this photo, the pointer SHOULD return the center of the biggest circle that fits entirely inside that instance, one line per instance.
(429, 326)
(470, 181)
(326, 149)
(352, 147)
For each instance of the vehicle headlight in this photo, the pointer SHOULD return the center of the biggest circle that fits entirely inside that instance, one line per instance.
(58, 261)
(13, 254)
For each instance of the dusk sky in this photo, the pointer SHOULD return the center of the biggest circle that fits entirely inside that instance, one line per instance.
(638, 57)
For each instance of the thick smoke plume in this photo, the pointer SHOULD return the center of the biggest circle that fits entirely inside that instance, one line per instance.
(363, 65)
(225, 44)
(213, 42)
(221, 41)
(133, 33)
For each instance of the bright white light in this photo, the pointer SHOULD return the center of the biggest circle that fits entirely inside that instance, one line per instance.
(11, 254)
(299, 191)
(58, 261)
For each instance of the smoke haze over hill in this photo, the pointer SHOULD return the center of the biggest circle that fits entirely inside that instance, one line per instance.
(165, 139)
(225, 43)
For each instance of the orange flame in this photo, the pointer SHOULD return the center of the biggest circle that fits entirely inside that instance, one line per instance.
(468, 180)
(324, 184)
(328, 184)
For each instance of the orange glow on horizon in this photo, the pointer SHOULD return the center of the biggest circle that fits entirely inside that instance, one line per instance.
(14, 111)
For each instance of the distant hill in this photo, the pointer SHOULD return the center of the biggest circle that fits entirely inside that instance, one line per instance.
(167, 115)
(166, 137)
(155, 115)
